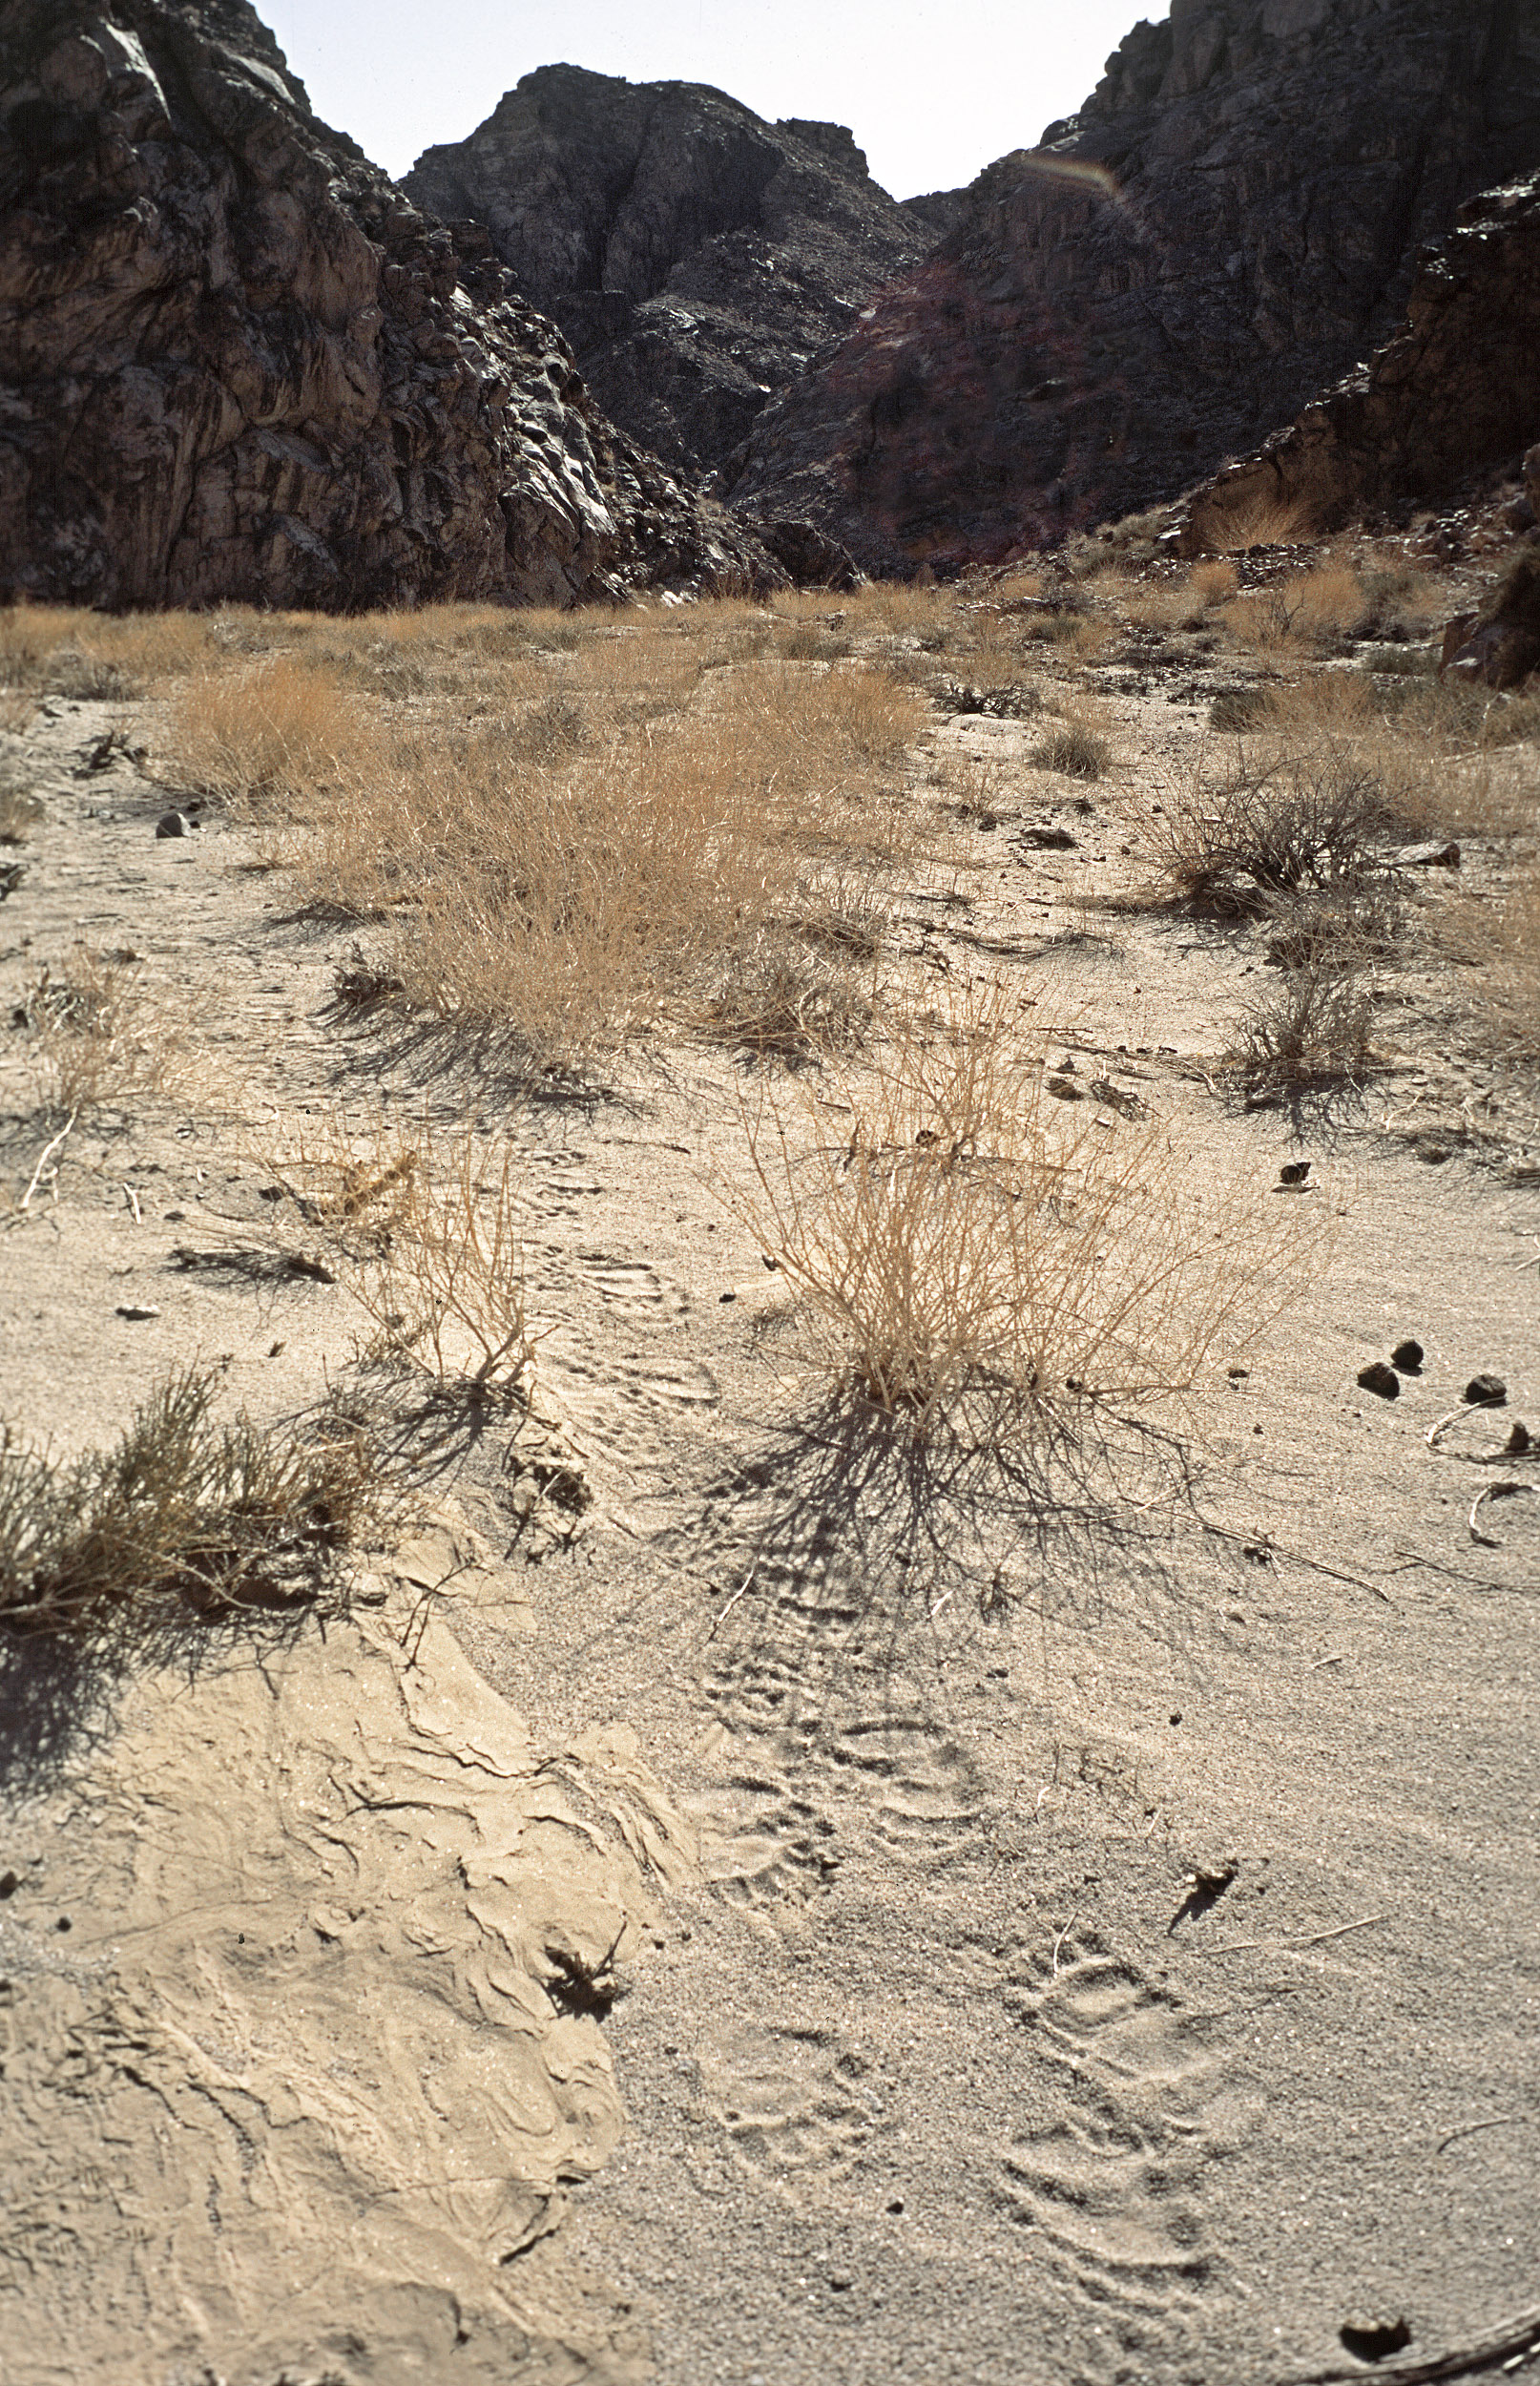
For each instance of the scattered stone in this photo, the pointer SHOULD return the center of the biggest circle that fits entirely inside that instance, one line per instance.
(137, 1311)
(1294, 1172)
(1408, 1356)
(1486, 1392)
(1050, 839)
(1064, 1089)
(1519, 1442)
(176, 825)
(1377, 1377)
(1370, 2337)
(9, 1883)
(1238, 1374)
(12, 874)
(1432, 856)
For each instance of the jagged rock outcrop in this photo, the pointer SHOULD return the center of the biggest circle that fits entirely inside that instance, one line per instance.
(1455, 392)
(237, 362)
(1231, 222)
(697, 258)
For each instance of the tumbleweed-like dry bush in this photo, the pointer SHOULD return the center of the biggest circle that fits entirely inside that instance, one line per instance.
(968, 1255)
(100, 1034)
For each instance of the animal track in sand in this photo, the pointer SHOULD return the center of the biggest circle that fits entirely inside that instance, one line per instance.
(802, 2106)
(1110, 2175)
(630, 1286)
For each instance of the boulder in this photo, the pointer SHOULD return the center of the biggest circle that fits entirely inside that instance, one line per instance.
(1500, 645)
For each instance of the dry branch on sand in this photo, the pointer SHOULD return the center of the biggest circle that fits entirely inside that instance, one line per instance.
(182, 1512)
(426, 1237)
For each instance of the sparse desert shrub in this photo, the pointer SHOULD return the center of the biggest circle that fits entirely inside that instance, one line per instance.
(102, 1036)
(571, 902)
(427, 1238)
(1342, 926)
(783, 1001)
(1213, 580)
(1314, 818)
(1312, 1028)
(969, 1257)
(1076, 748)
(182, 1513)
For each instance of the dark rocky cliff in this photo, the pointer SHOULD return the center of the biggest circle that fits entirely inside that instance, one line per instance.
(697, 257)
(1228, 225)
(237, 362)
(1455, 392)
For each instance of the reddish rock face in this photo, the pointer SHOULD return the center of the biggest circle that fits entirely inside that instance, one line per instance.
(1456, 391)
(697, 257)
(237, 362)
(1228, 225)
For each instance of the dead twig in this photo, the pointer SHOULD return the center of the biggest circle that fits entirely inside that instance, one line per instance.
(44, 1156)
(1469, 2129)
(1492, 1490)
(1511, 2341)
(732, 1603)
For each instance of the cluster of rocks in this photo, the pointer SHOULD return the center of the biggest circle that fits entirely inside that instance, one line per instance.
(240, 364)
(697, 258)
(1231, 223)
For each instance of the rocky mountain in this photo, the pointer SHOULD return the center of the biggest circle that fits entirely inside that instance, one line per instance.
(235, 362)
(697, 258)
(1231, 222)
(1455, 392)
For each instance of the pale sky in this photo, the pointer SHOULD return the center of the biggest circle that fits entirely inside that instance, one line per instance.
(932, 89)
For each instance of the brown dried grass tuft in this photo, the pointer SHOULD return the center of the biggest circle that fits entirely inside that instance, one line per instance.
(425, 1236)
(271, 731)
(102, 1036)
(967, 1256)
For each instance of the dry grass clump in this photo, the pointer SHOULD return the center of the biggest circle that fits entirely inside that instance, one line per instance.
(781, 1000)
(966, 1256)
(1278, 824)
(181, 1513)
(1074, 748)
(102, 1036)
(426, 1239)
(278, 728)
(566, 893)
(1311, 1030)
(1499, 939)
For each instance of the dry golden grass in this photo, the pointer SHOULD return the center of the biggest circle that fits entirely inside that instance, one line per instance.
(101, 1037)
(1213, 580)
(570, 881)
(965, 1253)
(1262, 518)
(276, 729)
(425, 1234)
(1498, 940)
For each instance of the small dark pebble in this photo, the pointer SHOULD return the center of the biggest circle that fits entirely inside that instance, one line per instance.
(63, 1923)
(176, 825)
(137, 1312)
(8, 1884)
(1408, 1357)
(1486, 1391)
(1519, 1440)
(1380, 1378)
(1294, 1172)
(1371, 2341)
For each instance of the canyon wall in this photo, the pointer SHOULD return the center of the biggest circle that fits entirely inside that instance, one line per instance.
(697, 258)
(237, 362)
(1231, 223)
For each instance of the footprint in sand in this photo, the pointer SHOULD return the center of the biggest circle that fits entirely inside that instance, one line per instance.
(802, 2105)
(630, 1287)
(1111, 2174)
(835, 1753)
